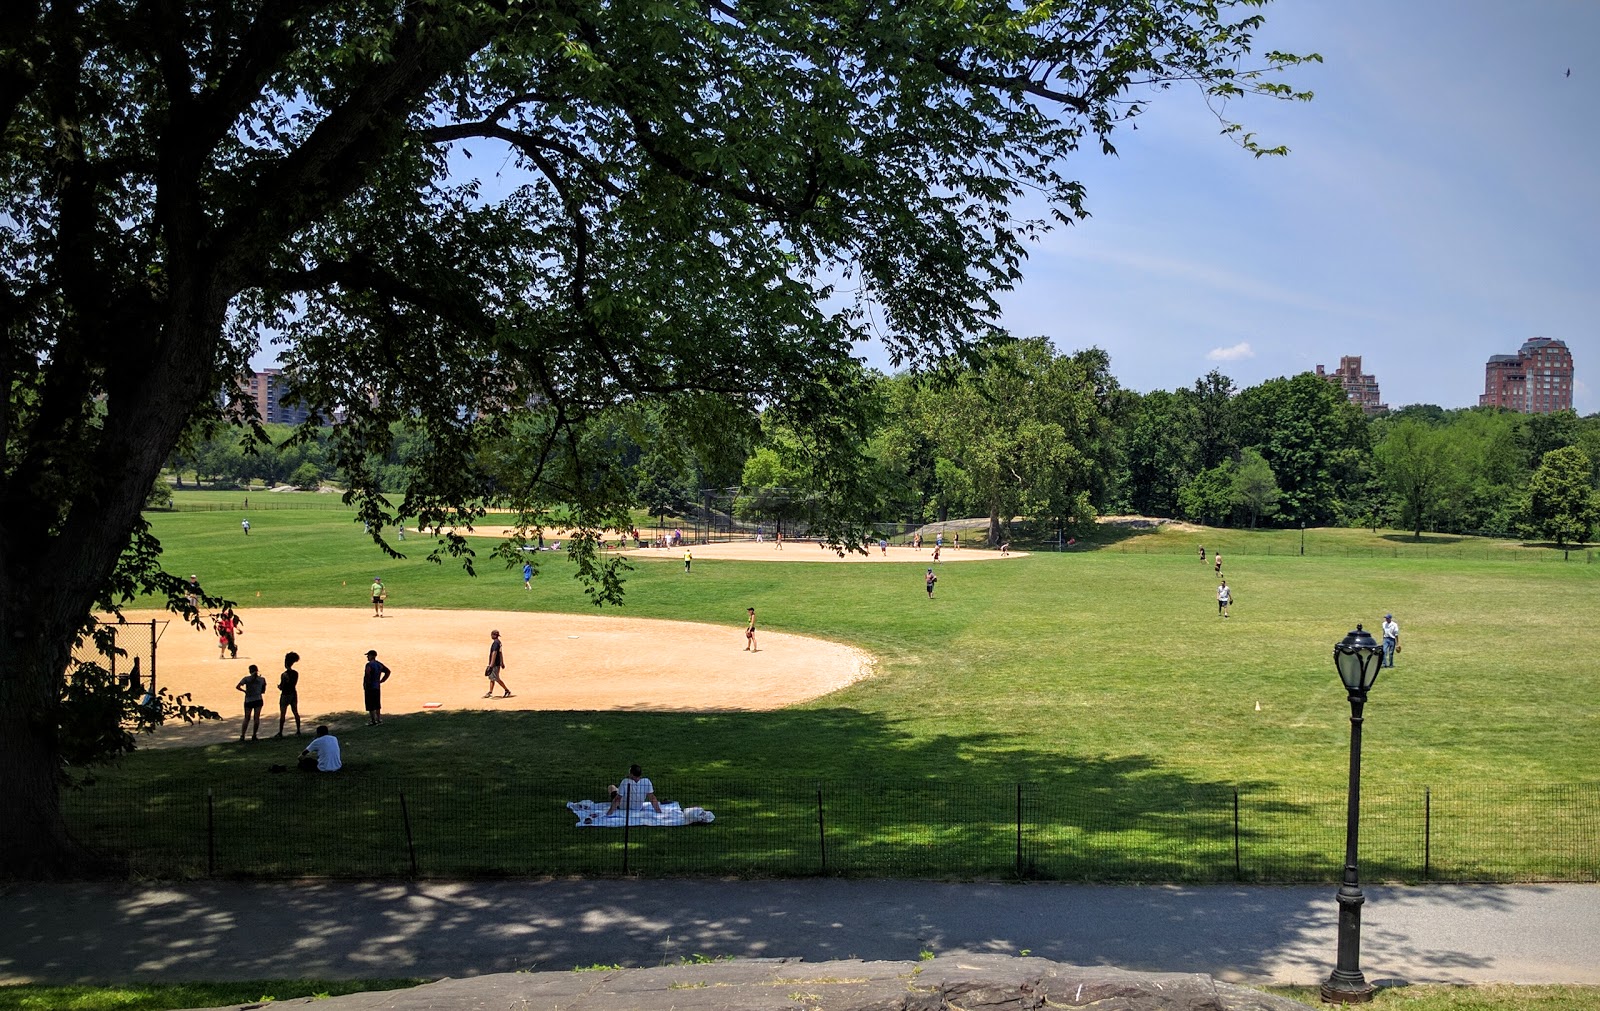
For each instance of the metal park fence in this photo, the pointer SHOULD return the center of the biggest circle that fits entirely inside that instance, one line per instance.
(350, 825)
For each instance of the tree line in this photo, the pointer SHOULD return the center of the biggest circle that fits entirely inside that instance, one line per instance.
(1041, 443)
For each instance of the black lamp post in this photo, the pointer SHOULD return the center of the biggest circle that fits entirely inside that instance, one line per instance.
(1302, 538)
(1358, 658)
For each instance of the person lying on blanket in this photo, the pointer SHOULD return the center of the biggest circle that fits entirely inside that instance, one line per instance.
(635, 791)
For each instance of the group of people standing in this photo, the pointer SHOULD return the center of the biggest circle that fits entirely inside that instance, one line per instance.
(254, 687)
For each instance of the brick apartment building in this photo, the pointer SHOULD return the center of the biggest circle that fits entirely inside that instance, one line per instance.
(1535, 380)
(266, 388)
(1360, 387)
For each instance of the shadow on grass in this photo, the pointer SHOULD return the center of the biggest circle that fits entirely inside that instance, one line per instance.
(795, 793)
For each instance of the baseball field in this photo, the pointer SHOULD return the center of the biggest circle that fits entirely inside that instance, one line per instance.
(1103, 670)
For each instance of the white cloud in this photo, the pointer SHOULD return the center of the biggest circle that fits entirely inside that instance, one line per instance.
(1236, 353)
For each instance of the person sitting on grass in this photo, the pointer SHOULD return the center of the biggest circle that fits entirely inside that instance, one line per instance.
(636, 791)
(322, 754)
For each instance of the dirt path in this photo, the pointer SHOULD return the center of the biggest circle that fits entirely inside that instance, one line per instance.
(553, 661)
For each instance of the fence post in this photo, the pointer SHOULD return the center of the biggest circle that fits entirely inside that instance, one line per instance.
(1019, 830)
(411, 847)
(211, 836)
(627, 821)
(1238, 870)
(1427, 831)
(822, 834)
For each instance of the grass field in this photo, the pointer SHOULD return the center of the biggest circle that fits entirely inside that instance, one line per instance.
(1101, 673)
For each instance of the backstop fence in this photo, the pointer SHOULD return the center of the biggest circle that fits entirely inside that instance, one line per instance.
(127, 650)
(355, 825)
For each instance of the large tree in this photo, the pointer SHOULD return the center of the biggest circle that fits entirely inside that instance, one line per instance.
(1562, 502)
(713, 198)
(1417, 462)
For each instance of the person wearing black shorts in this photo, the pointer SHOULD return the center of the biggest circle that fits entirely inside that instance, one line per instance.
(373, 675)
(254, 687)
(289, 693)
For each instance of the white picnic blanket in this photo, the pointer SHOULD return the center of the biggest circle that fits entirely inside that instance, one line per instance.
(592, 814)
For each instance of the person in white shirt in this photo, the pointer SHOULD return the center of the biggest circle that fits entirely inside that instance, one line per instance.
(322, 754)
(1391, 639)
(1224, 598)
(635, 791)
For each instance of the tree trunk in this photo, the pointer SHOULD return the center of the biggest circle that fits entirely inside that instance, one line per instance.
(34, 841)
(994, 525)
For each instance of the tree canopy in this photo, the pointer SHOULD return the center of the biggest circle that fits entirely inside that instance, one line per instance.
(694, 200)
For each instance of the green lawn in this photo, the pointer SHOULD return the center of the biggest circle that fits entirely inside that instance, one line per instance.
(1101, 679)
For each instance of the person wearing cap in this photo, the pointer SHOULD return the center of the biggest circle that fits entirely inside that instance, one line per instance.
(378, 593)
(1391, 639)
(497, 663)
(931, 578)
(372, 678)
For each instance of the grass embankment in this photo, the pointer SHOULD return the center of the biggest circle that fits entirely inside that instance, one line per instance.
(164, 996)
(1102, 677)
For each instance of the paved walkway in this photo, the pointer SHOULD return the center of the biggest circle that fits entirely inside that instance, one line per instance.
(217, 931)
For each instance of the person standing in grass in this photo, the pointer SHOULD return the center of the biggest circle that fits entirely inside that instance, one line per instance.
(373, 675)
(1216, 563)
(1391, 639)
(289, 693)
(688, 559)
(931, 578)
(527, 575)
(254, 687)
(379, 595)
(750, 631)
(1224, 598)
(497, 663)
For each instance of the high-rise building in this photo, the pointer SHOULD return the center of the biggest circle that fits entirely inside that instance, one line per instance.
(266, 388)
(1360, 387)
(1535, 380)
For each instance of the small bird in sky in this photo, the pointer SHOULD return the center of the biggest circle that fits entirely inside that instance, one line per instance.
(1569, 71)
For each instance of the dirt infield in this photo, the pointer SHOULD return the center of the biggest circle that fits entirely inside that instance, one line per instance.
(792, 551)
(553, 661)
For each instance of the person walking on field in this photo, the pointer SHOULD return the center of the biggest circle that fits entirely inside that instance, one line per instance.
(688, 559)
(497, 663)
(254, 687)
(1216, 563)
(246, 525)
(1202, 553)
(379, 595)
(1224, 598)
(228, 634)
(750, 631)
(373, 675)
(931, 579)
(527, 575)
(1391, 639)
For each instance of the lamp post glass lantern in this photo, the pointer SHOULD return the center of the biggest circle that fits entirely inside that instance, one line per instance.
(1358, 659)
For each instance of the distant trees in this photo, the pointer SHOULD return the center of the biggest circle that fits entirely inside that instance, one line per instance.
(1025, 430)
(1562, 502)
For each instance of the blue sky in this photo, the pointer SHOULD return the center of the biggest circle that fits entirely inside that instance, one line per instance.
(1439, 205)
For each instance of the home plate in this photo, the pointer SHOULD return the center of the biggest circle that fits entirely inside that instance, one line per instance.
(571, 637)
(431, 705)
